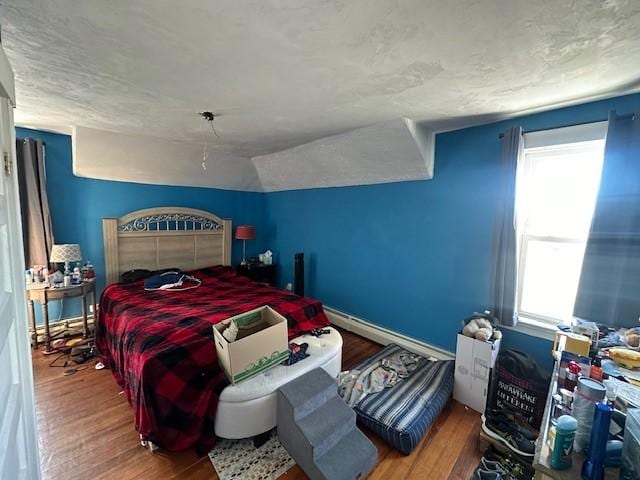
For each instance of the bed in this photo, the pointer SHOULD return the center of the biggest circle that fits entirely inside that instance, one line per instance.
(159, 344)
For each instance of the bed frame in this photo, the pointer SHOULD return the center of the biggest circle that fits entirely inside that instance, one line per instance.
(165, 237)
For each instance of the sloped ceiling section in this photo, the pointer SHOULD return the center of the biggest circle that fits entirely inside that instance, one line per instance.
(391, 151)
(144, 159)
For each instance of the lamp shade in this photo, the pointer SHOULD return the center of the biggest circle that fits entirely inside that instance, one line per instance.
(66, 252)
(245, 232)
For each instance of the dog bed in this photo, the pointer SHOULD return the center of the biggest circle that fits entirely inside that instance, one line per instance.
(402, 414)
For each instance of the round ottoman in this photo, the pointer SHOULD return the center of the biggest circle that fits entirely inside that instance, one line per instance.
(249, 408)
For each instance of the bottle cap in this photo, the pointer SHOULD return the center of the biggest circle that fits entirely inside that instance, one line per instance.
(566, 422)
(573, 367)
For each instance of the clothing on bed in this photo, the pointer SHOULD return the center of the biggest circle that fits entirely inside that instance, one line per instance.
(159, 346)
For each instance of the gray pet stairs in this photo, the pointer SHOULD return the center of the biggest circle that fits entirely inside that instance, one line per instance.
(319, 430)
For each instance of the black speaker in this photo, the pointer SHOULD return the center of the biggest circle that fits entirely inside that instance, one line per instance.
(298, 275)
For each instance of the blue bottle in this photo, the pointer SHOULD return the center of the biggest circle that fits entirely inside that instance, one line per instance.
(593, 466)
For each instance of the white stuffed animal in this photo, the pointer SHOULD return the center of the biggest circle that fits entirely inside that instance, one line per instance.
(481, 329)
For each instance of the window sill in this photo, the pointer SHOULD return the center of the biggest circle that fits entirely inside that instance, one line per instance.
(534, 328)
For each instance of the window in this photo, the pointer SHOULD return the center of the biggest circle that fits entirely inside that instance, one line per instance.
(556, 189)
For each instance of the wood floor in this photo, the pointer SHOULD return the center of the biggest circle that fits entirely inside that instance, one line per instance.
(86, 432)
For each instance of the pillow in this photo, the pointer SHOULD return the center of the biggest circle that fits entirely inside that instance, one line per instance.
(142, 273)
(135, 275)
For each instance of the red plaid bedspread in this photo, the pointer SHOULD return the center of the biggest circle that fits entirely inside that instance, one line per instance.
(159, 346)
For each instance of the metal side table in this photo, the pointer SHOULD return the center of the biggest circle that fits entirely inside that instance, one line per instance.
(45, 295)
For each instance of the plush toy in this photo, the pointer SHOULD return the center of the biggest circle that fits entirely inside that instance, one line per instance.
(481, 328)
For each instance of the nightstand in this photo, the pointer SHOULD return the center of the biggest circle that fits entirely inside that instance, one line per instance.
(45, 295)
(258, 272)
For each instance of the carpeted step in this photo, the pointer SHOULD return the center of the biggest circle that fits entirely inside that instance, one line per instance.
(351, 458)
(308, 392)
(327, 425)
(319, 430)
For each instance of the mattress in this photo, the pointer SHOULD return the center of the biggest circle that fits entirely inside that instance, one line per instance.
(402, 414)
(159, 347)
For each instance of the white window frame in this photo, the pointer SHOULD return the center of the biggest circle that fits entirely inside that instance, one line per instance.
(524, 241)
(529, 322)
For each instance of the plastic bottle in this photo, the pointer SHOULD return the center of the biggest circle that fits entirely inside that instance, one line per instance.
(588, 392)
(91, 273)
(593, 466)
(571, 378)
(596, 369)
(566, 427)
(76, 278)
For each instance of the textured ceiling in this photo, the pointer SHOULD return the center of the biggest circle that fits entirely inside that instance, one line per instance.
(286, 72)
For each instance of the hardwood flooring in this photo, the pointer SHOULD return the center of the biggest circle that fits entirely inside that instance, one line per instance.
(86, 432)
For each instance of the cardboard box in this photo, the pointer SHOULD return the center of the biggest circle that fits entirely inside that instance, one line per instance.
(474, 361)
(262, 343)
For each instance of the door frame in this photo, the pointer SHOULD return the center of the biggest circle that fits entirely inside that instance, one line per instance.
(18, 339)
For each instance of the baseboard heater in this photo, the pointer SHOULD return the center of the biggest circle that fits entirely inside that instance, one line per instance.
(385, 336)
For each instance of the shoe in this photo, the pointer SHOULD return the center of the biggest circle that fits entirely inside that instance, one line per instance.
(514, 468)
(506, 422)
(505, 471)
(508, 435)
(492, 466)
(486, 475)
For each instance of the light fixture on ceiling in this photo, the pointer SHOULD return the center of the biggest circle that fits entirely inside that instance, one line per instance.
(209, 117)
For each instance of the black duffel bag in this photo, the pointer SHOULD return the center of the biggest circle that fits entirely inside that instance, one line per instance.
(519, 386)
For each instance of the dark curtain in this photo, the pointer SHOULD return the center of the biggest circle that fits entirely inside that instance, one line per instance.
(609, 288)
(36, 218)
(505, 250)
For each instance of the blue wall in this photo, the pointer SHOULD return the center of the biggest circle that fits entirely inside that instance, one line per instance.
(414, 257)
(79, 204)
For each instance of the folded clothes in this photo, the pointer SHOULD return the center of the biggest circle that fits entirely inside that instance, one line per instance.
(296, 353)
(355, 385)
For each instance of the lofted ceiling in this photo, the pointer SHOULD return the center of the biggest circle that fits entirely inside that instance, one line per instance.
(282, 73)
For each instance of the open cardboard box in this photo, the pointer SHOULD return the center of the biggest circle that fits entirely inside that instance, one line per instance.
(262, 343)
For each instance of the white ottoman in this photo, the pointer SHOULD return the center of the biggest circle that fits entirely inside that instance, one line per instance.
(249, 408)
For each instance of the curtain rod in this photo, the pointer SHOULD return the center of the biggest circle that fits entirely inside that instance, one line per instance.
(572, 124)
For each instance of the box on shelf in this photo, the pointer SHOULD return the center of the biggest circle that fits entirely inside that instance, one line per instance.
(262, 343)
(474, 361)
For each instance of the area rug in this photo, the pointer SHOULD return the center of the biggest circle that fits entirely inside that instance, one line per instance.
(239, 459)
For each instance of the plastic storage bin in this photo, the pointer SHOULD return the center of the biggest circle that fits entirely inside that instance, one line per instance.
(630, 464)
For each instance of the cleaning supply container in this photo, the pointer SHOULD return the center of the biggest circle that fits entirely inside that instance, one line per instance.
(630, 463)
(588, 392)
(593, 466)
(563, 445)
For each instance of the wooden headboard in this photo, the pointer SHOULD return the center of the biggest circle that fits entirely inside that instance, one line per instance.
(165, 237)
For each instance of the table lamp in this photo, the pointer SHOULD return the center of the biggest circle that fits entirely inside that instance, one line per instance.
(244, 233)
(65, 253)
